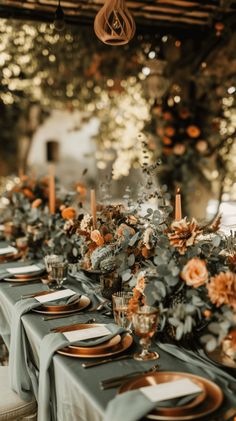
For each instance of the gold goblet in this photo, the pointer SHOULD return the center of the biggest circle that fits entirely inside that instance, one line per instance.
(145, 324)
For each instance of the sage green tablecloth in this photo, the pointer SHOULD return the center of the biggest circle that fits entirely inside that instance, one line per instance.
(78, 396)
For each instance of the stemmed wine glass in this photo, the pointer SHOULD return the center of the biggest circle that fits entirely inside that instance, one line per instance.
(145, 321)
(59, 273)
(49, 260)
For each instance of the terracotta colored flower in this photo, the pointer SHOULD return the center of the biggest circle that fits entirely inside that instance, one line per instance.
(166, 140)
(195, 273)
(222, 289)
(68, 213)
(170, 131)
(193, 131)
(160, 131)
(123, 228)
(179, 149)
(28, 193)
(36, 203)
(108, 237)
(97, 237)
(183, 234)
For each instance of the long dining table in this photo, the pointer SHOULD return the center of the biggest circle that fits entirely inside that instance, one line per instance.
(79, 396)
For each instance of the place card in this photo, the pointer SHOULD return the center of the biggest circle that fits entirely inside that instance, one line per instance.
(170, 390)
(23, 269)
(83, 334)
(53, 296)
(7, 250)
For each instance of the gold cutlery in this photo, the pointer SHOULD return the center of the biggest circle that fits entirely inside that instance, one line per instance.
(116, 381)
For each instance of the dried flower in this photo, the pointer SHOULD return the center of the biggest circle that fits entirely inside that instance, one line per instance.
(36, 203)
(222, 289)
(68, 213)
(147, 238)
(97, 237)
(183, 234)
(201, 146)
(86, 222)
(195, 272)
(131, 219)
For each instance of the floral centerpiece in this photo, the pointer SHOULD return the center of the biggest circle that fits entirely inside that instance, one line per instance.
(191, 277)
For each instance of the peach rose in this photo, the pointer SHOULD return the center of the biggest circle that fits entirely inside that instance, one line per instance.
(68, 213)
(36, 203)
(202, 146)
(97, 237)
(195, 272)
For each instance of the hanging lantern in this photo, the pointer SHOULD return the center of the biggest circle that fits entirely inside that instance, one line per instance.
(59, 18)
(114, 25)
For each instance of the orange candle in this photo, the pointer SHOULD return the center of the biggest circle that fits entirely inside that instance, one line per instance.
(178, 208)
(93, 208)
(52, 190)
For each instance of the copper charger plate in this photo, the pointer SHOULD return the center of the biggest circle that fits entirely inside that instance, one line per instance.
(103, 350)
(221, 358)
(29, 275)
(28, 279)
(212, 401)
(108, 345)
(76, 306)
(9, 257)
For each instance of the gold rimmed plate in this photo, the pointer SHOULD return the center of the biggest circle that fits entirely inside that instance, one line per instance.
(103, 350)
(19, 280)
(105, 346)
(10, 257)
(29, 275)
(219, 357)
(55, 308)
(213, 396)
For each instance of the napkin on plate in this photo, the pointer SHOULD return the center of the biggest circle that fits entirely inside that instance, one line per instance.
(50, 344)
(133, 405)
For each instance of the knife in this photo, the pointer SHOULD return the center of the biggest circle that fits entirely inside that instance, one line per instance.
(108, 360)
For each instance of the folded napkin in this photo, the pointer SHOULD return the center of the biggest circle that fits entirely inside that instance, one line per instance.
(90, 287)
(50, 344)
(5, 274)
(133, 405)
(129, 406)
(22, 376)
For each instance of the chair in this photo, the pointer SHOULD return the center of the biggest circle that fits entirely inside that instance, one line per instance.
(12, 408)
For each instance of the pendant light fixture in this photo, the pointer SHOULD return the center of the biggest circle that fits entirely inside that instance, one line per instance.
(59, 19)
(114, 24)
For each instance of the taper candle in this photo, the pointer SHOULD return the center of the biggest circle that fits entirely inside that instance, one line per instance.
(52, 191)
(178, 208)
(93, 208)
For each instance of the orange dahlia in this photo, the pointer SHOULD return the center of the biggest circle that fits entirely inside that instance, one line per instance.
(222, 289)
(183, 234)
(68, 213)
